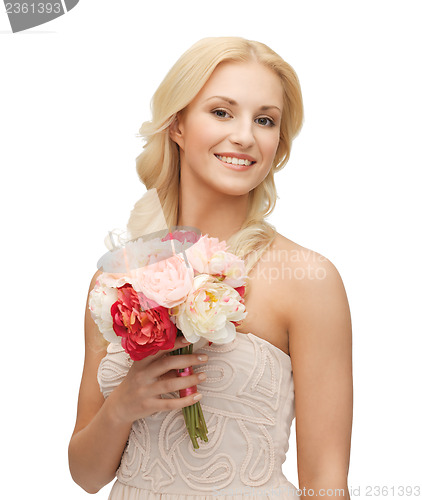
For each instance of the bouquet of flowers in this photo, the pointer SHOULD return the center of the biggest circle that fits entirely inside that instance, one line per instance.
(152, 290)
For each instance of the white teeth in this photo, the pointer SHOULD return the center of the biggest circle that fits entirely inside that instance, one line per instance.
(234, 161)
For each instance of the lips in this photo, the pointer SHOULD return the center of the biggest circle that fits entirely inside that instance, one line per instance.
(240, 156)
(235, 161)
(235, 166)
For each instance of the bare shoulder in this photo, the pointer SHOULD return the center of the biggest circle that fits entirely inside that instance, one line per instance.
(298, 270)
(304, 262)
(313, 295)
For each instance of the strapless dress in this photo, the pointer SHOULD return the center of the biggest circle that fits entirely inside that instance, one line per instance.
(248, 405)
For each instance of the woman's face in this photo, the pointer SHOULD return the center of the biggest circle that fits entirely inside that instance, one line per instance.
(235, 116)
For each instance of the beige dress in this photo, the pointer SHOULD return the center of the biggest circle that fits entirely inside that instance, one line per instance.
(248, 405)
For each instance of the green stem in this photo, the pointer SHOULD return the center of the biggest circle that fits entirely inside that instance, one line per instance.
(202, 420)
(193, 416)
(191, 421)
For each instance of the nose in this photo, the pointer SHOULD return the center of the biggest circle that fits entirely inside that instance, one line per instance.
(242, 133)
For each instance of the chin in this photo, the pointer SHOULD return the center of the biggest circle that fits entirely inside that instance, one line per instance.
(234, 190)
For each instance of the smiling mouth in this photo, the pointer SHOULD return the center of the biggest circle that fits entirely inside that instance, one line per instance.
(235, 161)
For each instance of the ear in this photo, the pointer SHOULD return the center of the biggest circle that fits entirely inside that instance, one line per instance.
(176, 131)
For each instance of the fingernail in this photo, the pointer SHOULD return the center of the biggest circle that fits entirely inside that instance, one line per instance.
(197, 397)
(185, 341)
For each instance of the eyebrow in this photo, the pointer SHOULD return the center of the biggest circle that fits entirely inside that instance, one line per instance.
(234, 103)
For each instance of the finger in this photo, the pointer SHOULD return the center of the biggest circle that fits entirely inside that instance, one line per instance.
(179, 362)
(177, 383)
(176, 403)
(170, 374)
(178, 344)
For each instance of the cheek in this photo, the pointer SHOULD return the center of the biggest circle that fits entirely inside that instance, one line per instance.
(204, 134)
(270, 145)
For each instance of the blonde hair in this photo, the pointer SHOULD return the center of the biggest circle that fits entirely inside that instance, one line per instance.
(158, 166)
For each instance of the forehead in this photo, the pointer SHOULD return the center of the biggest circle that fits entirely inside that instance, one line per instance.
(245, 82)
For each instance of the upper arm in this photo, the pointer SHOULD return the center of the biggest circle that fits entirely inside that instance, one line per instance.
(320, 343)
(90, 397)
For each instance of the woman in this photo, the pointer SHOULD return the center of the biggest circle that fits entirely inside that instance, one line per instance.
(223, 123)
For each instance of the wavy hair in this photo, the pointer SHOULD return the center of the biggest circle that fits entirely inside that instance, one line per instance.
(158, 166)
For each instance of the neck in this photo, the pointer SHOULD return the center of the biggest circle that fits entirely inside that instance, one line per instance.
(216, 214)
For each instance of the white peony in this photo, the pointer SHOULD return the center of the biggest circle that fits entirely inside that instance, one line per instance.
(101, 298)
(209, 310)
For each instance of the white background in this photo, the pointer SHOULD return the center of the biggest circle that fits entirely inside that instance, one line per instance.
(73, 95)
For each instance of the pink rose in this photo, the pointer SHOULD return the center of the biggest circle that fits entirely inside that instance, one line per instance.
(200, 254)
(145, 327)
(210, 256)
(167, 282)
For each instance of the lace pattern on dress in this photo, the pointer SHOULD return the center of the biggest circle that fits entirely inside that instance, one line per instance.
(248, 404)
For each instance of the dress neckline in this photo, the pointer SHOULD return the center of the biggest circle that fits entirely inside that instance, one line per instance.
(277, 349)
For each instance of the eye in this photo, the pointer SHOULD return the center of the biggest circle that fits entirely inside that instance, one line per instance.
(221, 111)
(270, 123)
